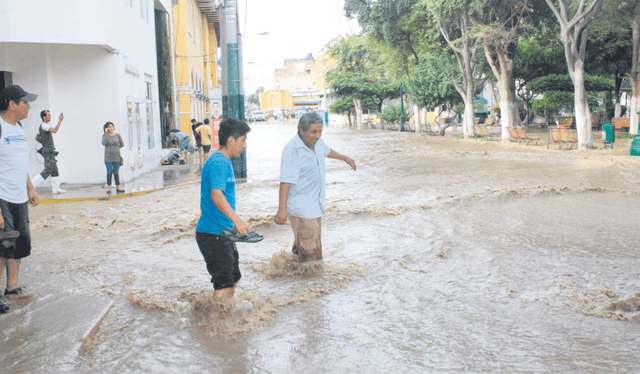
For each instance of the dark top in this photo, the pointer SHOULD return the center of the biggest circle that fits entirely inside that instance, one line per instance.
(46, 138)
(112, 145)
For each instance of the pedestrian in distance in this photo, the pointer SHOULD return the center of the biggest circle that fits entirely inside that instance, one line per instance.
(16, 190)
(182, 139)
(204, 131)
(302, 186)
(48, 152)
(112, 142)
(194, 126)
(218, 218)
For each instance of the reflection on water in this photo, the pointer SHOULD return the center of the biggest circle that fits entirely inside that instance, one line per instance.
(442, 255)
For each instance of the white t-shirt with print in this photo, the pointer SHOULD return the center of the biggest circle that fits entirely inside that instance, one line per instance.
(14, 163)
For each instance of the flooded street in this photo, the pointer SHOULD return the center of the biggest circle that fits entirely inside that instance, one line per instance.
(441, 255)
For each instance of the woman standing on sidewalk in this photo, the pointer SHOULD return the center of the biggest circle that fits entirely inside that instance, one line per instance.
(112, 143)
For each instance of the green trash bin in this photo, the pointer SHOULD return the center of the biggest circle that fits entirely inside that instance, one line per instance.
(635, 147)
(608, 135)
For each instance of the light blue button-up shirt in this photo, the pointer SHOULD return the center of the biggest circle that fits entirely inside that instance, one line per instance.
(304, 170)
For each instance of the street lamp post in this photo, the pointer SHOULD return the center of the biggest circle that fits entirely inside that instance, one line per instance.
(232, 76)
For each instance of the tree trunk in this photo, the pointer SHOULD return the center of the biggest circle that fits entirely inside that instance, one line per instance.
(508, 106)
(635, 77)
(467, 123)
(494, 99)
(616, 94)
(582, 112)
(416, 117)
(358, 104)
(573, 34)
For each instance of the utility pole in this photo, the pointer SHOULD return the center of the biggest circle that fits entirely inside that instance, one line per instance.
(232, 76)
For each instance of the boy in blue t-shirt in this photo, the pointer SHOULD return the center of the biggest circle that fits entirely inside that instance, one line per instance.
(217, 205)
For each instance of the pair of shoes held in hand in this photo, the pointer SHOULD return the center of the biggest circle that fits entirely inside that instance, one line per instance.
(234, 236)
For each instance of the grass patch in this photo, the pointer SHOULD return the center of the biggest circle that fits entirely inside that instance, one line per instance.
(626, 135)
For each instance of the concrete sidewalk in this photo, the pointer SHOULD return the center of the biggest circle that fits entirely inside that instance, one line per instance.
(161, 177)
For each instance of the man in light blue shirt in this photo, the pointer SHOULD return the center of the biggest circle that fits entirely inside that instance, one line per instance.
(302, 186)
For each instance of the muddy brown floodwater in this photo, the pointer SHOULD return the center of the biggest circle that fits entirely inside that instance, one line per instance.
(442, 255)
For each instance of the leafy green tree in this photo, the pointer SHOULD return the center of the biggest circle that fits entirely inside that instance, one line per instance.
(610, 44)
(343, 104)
(455, 19)
(498, 26)
(393, 113)
(573, 34)
(539, 53)
(355, 76)
(556, 82)
(398, 25)
(430, 84)
(553, 102)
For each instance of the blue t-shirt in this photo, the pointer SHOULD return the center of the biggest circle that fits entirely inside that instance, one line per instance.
(217, 174)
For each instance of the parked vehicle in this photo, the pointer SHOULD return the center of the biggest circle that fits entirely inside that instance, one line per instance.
(259, 115)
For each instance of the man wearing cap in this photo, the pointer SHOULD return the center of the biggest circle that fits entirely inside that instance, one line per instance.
(16, 189)
(302, 186)
(49, 153)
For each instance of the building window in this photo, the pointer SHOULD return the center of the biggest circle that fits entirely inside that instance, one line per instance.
(148, 90)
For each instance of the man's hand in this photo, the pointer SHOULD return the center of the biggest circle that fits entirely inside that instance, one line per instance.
(61, 118)
(281, 216)
(242, 228)
(351, 163)
(33, 198)
(1, 222)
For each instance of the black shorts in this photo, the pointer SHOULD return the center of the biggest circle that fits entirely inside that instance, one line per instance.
(221, 257)
(206, 148)
(16, 217)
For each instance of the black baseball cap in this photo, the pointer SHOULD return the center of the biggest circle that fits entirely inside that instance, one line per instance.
(17, 93)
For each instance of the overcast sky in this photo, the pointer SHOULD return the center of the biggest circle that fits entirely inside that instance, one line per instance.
(296, 28)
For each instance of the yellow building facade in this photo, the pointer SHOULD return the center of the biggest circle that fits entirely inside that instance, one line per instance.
(276, 100)
(196, 42)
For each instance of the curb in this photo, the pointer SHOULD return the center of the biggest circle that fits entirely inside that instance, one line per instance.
(73, 199)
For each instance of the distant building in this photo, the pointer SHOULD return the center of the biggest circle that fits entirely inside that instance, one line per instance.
(96, 62)
(293, 85)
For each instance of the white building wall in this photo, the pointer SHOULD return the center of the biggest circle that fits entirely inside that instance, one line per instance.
(89, 59)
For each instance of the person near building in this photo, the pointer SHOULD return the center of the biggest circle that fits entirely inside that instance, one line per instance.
(182, 138)
(302, 186)
(204, 132)
(48, 152)
(217, 206)
(112, 142)
(16, 190)
(194, 126)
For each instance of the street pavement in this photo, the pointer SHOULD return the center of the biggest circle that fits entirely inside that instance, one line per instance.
(161, 177)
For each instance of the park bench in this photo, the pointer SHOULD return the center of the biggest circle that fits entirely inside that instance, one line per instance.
(555, 136)
(565, 121)
(519, 134)
(522, 134)
(621, 123)
(514, 134)
(568, 136)
(483, 132)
